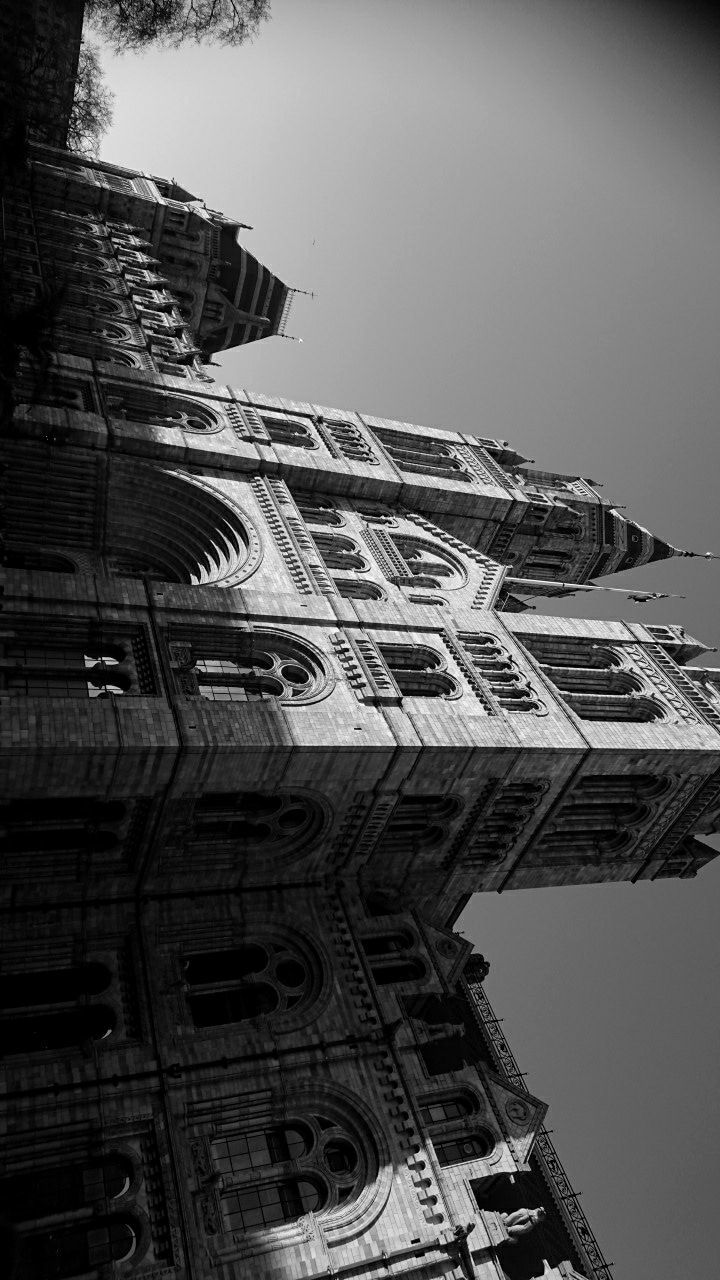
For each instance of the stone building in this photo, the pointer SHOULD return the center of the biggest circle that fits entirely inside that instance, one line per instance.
(273, 708)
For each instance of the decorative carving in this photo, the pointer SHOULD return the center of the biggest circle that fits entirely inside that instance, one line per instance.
(268, 503)
(210, 1214)
(656, 673)
(365, 668)
(545, 1153)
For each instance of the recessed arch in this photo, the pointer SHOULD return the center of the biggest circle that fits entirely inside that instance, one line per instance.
(178, 529)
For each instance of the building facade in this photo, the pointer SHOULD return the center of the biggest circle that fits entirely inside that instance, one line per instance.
(273, 708)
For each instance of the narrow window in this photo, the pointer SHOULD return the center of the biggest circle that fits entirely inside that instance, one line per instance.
(476, 1147)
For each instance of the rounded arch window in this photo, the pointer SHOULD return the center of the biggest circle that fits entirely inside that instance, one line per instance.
(66, 1251)
(311, 1163)
(258, 979)
(289, 431)
(477, 1146)
(430, 561)
(53, 986)
(39, 561)
(64, 1188)
(444, 1109)
(153, 409)
(251, 820)
(273, 1203)
(67, 1029)
(356, 589)
(257, 666)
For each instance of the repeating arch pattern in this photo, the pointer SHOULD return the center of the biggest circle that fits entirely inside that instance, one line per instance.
(322, 1152)
(250, 666)
(601, 818)
(593, 680)
(179, 530)
(160, 409)
(281, 823)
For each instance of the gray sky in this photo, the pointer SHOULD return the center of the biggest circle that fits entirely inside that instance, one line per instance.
(508, 211)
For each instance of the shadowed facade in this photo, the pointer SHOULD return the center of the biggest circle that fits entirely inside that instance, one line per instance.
(272, 712)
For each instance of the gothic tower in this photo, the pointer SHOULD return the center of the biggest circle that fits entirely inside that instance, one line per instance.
(273, 709)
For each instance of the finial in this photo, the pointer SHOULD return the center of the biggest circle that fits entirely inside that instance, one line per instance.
(700, 555)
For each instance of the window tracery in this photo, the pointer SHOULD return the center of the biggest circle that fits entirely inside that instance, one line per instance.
(283, 429)
(428, 564)
(47, 1191)
(274, 1175)
(258, 979)
(423, 454)
(61, 825)
(142, 405)
(420, 823)
(593, 680)
(601, 817)
(447, 1107)
(251, 820)
(249, 667)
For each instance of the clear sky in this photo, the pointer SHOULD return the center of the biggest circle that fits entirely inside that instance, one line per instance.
(508, 212)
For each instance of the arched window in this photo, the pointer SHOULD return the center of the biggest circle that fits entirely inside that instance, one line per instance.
(38, 561)
(66, 824)
(28, 1026)
(499, 671)
(46, 669)
(44, 1192)
(442, 1110)
(423, 454)
(416, 671)
(252, 667)
(420, 823)
(477, 1146)
(53, 986)
(339, 552)
(251, 981)
(357, 589)
(590, 678)
(379, 944)
(250, 820)
(290, 431)
(389, 963)
(66, 1251)
(600, 818)
(36, 1033)
(317, 510)
(141, 404)
(427, 560)
(275, 1174)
